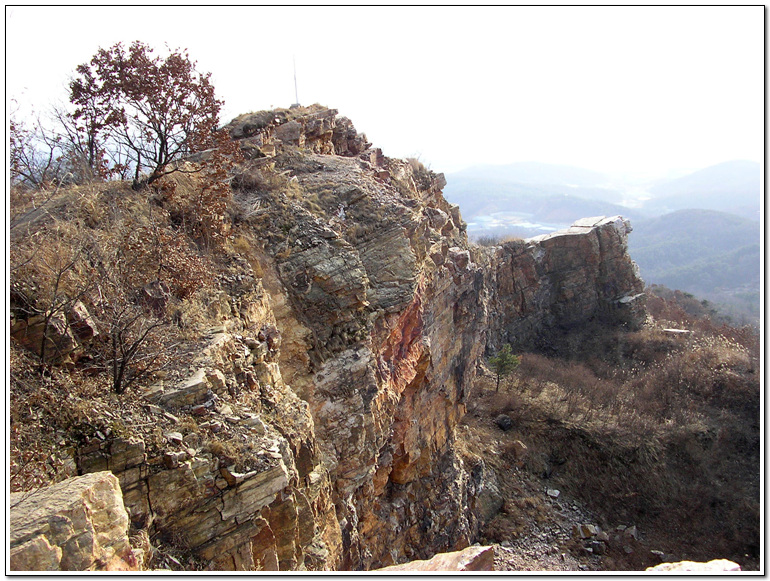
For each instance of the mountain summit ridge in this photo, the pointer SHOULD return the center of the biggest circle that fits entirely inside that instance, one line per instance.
(309, 417)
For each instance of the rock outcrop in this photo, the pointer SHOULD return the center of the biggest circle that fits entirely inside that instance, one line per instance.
(380, 321)
(77, 525)
(315, 429)
(543, 286)
(240, 484)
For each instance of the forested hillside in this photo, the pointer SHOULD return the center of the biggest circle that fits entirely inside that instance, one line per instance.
(711, 254)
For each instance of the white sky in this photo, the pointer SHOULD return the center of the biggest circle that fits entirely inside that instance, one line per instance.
(617, 89)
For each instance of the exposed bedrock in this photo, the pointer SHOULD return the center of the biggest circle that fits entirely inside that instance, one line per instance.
(541, 287)
(344, 365)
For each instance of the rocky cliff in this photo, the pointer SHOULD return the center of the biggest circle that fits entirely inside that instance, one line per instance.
(545, 287)
(314, 428)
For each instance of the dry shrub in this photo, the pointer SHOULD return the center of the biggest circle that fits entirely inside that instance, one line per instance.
(48, 416)
(653, 428)
(506, 403)
(496, 239)
(250, 178)
(198, 207)
(576, 384)
(109, 249)
(154, 252)
(423, 177)
(49, 265)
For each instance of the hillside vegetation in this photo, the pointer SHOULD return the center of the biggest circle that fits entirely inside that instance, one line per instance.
(649, 429)
(711, 254)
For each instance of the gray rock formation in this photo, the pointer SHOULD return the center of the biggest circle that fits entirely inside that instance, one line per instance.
(543, 286)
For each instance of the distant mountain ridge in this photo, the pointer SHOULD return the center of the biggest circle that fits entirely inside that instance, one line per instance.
(698, 233)
(714, 255)
(732, 186)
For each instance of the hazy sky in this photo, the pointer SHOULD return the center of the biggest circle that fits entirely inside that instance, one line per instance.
(634, 89)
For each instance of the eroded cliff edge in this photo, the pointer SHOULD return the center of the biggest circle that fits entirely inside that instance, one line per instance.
(347, 331)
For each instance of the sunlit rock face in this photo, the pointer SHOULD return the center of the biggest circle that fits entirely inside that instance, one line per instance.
(315, 429)
(712, 567)
(78, 524)
(469, 559)
(382, 307)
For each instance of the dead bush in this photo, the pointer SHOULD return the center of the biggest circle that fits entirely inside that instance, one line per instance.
(496, 239)
(251, 178)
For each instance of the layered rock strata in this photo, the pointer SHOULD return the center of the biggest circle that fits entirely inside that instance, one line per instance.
(315, 429)
(542, 287)
(79, 524)
(380, 324)
(239, 483)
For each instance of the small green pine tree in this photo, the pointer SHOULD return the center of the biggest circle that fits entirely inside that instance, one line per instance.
(504, 363)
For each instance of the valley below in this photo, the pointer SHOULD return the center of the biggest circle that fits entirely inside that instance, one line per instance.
(697, 233)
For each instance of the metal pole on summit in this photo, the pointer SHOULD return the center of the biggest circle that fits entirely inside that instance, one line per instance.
(296, 98)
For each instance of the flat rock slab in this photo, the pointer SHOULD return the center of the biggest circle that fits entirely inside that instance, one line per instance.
(712, 566)
(469, 559)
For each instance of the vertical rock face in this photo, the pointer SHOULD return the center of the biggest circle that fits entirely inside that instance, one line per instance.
(330, 394)
(381, 310)
(545, 285)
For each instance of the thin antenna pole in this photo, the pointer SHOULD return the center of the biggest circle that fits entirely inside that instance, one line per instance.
(296, 98)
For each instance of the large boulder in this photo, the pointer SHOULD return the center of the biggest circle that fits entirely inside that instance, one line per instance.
(715, 566)
(79, 524)
(469, 559)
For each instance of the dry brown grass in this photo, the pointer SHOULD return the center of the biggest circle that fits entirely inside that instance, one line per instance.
(496, 239)
(259, 179)
(650, 428)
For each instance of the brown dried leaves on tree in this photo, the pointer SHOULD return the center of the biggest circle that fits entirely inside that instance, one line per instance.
(151, 110)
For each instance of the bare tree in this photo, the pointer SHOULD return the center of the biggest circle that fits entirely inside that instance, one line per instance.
(35, 154)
